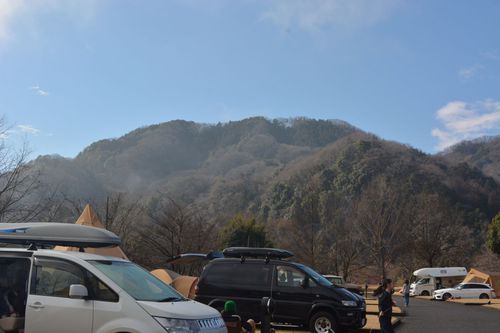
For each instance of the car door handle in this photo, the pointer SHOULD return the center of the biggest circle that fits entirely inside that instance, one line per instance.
(36, 305)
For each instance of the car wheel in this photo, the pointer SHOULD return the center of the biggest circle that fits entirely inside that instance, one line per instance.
(425, 293)
(446, 296)
(323, 322)
(484, 296)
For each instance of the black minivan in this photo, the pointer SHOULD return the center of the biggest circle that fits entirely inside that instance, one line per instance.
(301, 295)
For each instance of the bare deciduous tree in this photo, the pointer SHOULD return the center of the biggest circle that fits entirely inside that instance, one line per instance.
(438, 233)
(17, 182)
(172, 228)
(381, 218)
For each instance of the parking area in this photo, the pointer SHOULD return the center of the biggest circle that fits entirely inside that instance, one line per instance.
(445, 317)
(441, 317)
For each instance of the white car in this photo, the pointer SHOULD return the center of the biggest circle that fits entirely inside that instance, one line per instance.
(466, 290)
(53, 291)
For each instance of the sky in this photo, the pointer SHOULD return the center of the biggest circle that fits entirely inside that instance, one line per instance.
(425, 73)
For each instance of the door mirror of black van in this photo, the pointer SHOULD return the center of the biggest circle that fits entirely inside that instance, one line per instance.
(304, 283)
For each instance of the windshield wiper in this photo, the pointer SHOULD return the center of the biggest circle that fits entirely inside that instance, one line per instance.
(171, 299)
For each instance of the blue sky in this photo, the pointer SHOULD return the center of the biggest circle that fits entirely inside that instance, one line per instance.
(425, 73)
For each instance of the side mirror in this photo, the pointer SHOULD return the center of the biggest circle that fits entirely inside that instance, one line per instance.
(78, 291)
(304, 283)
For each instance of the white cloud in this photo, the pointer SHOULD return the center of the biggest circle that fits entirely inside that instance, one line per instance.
(465, 121)
(469, 72)
(39, 91)
(12, 10)
(8, 10)
(313, 15)
(28, 129)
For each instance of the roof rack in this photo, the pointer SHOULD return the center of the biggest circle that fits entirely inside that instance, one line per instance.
(190, 258)
(256, 252)
(36, 234)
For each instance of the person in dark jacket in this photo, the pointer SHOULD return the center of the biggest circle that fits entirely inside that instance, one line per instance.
(385, 303)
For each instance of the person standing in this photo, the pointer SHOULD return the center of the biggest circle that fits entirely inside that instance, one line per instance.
(405, 291)
(385, 303)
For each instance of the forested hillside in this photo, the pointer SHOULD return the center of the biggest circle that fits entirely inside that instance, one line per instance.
(482, 153)
(340, 198)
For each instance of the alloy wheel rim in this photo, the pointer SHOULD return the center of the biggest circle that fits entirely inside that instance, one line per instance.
(323, 325)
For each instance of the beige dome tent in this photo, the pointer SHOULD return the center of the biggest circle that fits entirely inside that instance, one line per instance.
(493, 279)
(166, 275)
(89, 218)
(182, 283)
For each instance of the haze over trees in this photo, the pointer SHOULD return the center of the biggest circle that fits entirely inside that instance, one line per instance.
(340, 198)
(493, 237)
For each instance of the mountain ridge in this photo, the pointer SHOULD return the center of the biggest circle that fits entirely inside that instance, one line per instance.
(199, 162)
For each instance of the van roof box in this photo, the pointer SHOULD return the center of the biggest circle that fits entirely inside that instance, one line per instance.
(52, 233)
(256, 252)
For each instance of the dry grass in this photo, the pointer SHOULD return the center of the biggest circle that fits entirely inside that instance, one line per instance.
(373, 325)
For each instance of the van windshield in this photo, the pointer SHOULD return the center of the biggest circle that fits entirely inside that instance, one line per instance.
(318, 278)
(424, 281)
(136, 281)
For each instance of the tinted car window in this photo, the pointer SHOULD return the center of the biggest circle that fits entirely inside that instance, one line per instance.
(54, 277)
(335, 280)
(479, 286)
(100, 291)
(423, 281)
(289, 277)
(241, 274)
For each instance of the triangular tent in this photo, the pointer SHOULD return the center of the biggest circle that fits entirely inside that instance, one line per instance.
(89, 218)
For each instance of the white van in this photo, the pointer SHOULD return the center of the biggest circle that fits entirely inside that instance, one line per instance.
(434, 278)
(44, 291)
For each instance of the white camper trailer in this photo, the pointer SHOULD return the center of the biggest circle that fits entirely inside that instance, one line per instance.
(429, 279)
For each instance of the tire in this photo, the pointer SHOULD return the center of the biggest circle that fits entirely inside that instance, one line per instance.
(446, 296)
(484, 296)
(323, 322)
(425, 293)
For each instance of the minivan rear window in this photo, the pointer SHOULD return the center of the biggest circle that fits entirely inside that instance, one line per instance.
(238, 274)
